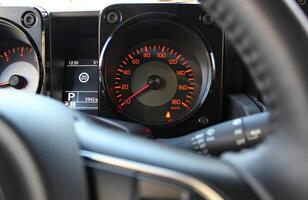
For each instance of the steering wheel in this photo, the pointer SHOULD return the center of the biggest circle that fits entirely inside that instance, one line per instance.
(45, 148)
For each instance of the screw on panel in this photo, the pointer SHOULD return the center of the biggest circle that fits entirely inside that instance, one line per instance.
(29, 19)
(203, 121)
(206, 19)
(113, 17)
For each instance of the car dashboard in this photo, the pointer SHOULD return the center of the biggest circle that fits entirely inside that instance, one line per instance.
(167, 67)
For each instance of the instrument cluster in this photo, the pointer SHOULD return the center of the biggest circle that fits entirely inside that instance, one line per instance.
(159, 65)
(164, 66)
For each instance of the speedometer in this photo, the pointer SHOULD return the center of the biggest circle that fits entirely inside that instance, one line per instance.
(157, 83)
(158, 78)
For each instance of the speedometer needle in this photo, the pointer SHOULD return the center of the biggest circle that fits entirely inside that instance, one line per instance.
(138, 92)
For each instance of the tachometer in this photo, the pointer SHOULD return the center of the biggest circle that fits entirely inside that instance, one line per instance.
(157, 83)
(19, 68)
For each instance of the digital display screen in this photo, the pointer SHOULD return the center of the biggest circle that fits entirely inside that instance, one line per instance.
(81, 85)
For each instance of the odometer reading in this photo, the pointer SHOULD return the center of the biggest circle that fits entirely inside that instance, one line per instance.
(156, 84)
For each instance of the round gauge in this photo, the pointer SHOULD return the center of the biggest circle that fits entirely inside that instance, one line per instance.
(157, 83)
(158, 78)
(19, 68)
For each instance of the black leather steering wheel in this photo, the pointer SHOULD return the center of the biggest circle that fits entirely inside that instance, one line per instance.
(40, 151)
(271, 37)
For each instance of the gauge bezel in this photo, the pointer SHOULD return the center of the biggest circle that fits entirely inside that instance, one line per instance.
(183, 30)
(13, 32)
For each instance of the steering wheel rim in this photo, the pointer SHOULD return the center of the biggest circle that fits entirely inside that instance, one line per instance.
(229, 176)
(278, 69)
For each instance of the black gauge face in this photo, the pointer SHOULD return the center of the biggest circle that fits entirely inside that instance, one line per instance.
(156, 83)
(19, 67)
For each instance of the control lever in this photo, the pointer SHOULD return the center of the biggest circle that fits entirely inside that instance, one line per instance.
(232, 135)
